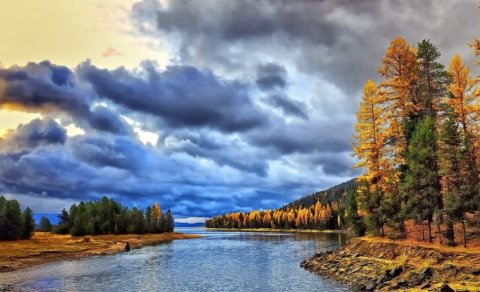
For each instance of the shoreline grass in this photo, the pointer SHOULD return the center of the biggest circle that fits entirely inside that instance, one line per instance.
(46, 247)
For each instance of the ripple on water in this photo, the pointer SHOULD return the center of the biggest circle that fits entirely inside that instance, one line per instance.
(221, 261)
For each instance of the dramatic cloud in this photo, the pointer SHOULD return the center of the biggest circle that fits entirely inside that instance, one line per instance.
(255, 107)
(53, 90)
(182, 96)
(37, 132)
(340, 41)
(218, 148)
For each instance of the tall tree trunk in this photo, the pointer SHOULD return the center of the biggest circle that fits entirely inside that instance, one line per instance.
(403, 229)
(439, 231)
(429, 230)
(463, 234)
(423, 230)
(382, 230)
(450, 232)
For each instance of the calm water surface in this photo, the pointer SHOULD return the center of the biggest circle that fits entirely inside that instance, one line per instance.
(221, 261)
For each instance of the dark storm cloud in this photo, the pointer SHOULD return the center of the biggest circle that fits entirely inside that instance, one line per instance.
(182, 96)
(306, 137)
(223, 152)
(270, 76)
(53, 90)
(121, 153)
(35, 133)
(288, 106)
(103, 119)
(42, 87)
(341, 41)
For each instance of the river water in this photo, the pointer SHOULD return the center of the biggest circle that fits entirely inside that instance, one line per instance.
(220, 261)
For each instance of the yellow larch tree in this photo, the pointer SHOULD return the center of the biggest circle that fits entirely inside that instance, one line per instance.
(399, 68)
(156, 212)
(318, 210)
(463, 99)
(370, 138)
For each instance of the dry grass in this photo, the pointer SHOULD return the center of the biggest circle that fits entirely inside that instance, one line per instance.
(45, 247)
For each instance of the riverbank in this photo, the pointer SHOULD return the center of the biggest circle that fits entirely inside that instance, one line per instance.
(378, 264)
(46, 247)
(278, 230)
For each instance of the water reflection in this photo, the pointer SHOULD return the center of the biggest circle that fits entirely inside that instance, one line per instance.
(221, 261)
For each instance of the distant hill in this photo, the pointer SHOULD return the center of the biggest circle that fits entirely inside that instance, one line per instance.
(304, 213)
(334, 194)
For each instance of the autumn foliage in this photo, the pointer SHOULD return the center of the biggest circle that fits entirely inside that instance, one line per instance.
(314, 217)
(322, 210)
(417, 143)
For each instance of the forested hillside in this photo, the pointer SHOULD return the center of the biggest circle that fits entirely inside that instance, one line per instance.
(333, 194)
(327, 209)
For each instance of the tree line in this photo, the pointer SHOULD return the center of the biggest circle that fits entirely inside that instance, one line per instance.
(417, 141)
(15, 224)
(321, 210)
(106, 216)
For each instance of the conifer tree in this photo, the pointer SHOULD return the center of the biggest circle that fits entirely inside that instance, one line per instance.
(421, 181)
(369, 148)
(451, 160)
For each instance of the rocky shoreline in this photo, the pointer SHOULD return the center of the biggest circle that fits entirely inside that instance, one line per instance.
(387, 266)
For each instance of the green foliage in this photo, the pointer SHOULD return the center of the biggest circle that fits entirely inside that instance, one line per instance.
(432, 78)
(13, 223)
(45, 224)
(109, 217)
(28, 224)
(352, 219)
(421, 185)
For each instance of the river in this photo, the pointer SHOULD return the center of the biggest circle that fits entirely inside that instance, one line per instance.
(220, 261)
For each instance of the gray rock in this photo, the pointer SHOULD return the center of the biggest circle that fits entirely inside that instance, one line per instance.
(370, 286)
(380, 279)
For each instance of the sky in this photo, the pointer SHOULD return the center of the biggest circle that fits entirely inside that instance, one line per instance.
(203, 106)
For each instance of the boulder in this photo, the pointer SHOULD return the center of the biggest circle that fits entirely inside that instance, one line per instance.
(380, 279)
(370, 286)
